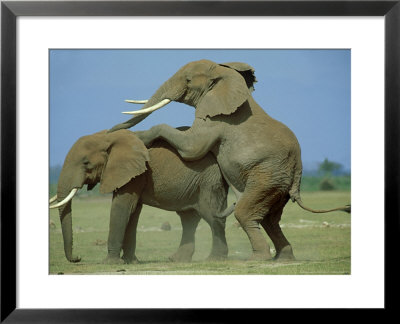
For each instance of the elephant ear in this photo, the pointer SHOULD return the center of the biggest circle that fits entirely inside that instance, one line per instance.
(246, 71)
(127, 157)
(225, 97)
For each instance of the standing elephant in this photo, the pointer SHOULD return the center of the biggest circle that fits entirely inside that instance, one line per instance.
(258, 156)
(135, 175)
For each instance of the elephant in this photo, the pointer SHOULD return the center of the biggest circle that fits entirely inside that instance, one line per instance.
(259, 157)
(135, 175)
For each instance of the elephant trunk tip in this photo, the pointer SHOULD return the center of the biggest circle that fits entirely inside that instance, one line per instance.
(75, 259)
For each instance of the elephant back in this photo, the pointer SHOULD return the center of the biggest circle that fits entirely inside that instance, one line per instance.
(174, 184)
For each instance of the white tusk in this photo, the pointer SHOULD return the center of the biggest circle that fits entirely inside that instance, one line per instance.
(53, 199)
(161, 104)
(67, 199)
(137, 101)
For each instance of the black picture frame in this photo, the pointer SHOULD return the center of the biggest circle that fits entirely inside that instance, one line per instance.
(10, 10)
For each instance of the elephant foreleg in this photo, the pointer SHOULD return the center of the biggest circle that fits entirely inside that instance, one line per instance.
(189, 219)
(124, 204)
(129, 243)
(191, 144)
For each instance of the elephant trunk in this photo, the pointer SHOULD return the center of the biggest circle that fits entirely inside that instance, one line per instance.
(64, 188)
(66, 225)
(170, 89)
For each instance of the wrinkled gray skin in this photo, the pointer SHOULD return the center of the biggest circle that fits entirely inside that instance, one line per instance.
(156, 177)
(258, 155)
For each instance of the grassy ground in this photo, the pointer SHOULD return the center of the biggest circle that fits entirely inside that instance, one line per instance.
(321, 242)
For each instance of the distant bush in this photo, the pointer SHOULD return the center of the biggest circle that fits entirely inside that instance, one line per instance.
(327, 184)
(328, 168)
(314, 183)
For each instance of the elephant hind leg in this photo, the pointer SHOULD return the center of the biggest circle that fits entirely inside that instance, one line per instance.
(270, 223)
(219, 250)
(256, 202)
(189, 219)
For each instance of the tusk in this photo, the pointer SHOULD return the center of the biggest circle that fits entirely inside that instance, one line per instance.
(161, 104)
(137, 101)
(67, 199)
(53, 199)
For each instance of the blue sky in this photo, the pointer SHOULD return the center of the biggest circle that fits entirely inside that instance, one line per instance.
(308, 90)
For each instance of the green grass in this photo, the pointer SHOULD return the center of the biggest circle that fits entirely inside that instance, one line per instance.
(321, 242)
(311, 183)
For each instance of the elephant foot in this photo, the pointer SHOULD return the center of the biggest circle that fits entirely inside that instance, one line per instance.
(113, 260)
(128, 260)
(286, 254)
(179, 257)
(258, 256)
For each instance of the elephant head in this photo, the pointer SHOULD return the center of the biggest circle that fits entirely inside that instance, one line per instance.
(212, 89)
(111, 159)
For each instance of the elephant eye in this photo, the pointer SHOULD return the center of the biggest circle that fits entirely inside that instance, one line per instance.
(87, 165)
(213, 82)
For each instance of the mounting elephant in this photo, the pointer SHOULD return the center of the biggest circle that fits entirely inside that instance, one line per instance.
(258, 155)
(135, 175)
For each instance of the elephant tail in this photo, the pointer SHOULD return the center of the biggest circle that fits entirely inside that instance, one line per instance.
(227, 211)
(294, 194)
(346, 208)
